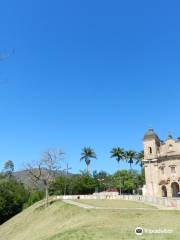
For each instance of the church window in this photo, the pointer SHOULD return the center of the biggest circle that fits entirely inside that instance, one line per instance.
(173, 169)
(150, 150)
(170, 147)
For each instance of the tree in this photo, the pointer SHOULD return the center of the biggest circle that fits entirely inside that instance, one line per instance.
(75, 184)
(58, 185)
(9, 168)
(103, 180)
(33, 197)
(130, 156)
(119, 154)
(130, 180)
(13, 195)
(45, 170)
(140, 158)
(86, 155)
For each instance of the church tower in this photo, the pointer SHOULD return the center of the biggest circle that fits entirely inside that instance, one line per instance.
(162, 166)
(151, 153)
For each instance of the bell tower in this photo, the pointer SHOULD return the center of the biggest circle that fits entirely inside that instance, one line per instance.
(151, 145)
(151, 152)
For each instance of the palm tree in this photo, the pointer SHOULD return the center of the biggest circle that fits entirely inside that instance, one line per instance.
(130, 156)
(86, 155)
(140, 158)
(119, 154)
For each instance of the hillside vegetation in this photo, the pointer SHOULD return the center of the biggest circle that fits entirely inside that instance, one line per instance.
(62, 221)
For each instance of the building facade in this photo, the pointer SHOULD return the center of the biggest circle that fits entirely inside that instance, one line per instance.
(162, 165)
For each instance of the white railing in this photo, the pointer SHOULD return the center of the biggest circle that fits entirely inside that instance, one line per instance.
(166, 202)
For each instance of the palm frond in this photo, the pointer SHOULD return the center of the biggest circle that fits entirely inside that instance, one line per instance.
(86, 155)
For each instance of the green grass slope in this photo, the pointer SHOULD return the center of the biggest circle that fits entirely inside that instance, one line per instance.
(117, 204)
(61, 221)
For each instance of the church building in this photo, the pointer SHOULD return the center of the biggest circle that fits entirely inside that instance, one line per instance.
(162, 165)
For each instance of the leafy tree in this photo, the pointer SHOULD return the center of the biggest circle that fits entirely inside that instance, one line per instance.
(82, 184)
(13, 195)
(9, 167)
(86, 155)
(75, 184)
(103, 180)
(119, 154)
(130, 180)
(34, 196)
(57, 187)
(88, 184)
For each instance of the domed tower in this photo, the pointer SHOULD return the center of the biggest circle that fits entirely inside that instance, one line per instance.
(151, 145)
(151, 153)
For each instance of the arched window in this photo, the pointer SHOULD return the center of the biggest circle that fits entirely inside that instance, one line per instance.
(170, 147)
(175, 189)
(164, 191)
(150, 150)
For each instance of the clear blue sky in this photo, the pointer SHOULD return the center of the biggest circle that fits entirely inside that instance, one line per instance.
(87, 73)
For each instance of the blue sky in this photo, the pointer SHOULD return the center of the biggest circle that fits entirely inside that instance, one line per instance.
(95, 73)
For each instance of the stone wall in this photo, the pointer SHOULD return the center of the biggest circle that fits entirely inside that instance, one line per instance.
(166, 202)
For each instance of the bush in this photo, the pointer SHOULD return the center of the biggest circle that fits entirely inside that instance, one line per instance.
(34, 197)
(13, 195)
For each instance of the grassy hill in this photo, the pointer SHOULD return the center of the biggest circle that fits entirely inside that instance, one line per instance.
(61, 221)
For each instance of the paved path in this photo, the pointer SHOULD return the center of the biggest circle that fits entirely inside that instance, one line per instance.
(87, 206)
(81, 205)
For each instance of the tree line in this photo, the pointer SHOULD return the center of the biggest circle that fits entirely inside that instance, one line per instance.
(47, 179)
(124, 181)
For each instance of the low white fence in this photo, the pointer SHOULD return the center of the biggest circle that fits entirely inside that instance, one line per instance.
(167, 202)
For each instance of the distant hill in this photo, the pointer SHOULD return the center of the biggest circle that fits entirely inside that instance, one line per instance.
(24, 177)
